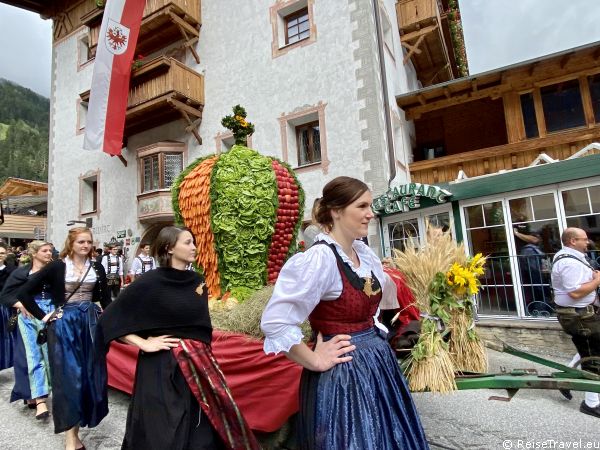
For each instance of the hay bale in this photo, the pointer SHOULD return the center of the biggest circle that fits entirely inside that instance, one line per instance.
(245, 317)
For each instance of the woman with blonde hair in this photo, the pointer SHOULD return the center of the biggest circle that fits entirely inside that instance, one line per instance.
(32, 372)
(75, 282)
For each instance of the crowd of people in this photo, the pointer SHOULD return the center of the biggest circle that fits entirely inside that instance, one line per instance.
(66, 311)
(60, 316)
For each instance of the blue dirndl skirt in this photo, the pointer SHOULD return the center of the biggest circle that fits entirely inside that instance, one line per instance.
(6, 339)
(362, 404)
(79, 378)
(32, 371)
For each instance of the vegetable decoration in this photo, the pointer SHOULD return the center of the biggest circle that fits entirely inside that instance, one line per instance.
(244, 209)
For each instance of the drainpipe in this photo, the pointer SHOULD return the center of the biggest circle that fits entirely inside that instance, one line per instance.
(386, 103)
(381, 237)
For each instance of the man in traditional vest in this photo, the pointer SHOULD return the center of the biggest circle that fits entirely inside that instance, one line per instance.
(142, 263)
(575, 284)
(113, 265)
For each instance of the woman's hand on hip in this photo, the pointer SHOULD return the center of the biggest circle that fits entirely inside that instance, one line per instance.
(158, 343)
(332, 352)
(22, 310)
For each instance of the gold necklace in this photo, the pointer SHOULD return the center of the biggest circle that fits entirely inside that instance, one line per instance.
(79, 269)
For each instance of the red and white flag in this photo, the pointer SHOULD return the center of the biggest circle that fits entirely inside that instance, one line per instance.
(110, 82)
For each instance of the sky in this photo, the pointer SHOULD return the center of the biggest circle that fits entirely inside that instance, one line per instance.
(497, 33)
(25, 48)
(503, 32)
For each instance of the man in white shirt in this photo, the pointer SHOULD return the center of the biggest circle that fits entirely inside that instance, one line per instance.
(113, 265)
(142, 263)
(576, 285)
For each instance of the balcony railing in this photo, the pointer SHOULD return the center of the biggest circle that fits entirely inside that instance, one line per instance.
(489, 160)
(417, 13)
(422, 34)
(161, 91)
(163, 22)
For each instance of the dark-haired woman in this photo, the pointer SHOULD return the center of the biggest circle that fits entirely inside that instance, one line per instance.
(79, 380)
(6, 336)
(353, 394)
(180, 399)
(31, 367)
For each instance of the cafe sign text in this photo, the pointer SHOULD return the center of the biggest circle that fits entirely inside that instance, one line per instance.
(407, 196)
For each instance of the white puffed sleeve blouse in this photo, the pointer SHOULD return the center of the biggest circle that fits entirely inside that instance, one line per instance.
(305, 280)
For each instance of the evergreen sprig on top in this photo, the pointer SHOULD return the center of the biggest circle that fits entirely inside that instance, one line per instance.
(238, 125)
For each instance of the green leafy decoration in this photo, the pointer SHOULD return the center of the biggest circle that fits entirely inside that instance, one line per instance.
(238, 125)
(243, 212)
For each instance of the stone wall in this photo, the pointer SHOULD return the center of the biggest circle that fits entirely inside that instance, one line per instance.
(545, 338)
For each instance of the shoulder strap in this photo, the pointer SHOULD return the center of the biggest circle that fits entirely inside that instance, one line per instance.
(566, 255)
(356, 281)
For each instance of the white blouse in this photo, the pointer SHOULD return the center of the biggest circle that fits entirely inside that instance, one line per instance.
(70, 275)
(305, 280)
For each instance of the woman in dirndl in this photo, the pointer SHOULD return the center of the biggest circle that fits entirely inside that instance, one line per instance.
(6, 335)
(180, 398)
(79, 380)
(31, 367)
(352, 392)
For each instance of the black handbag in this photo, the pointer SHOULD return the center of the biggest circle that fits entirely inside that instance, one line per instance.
(42, 336)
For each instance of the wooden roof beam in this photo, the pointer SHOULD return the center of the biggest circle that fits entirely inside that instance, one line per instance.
(532, 69)
(417, 34)
(565, 60)
(474, 85)
(493, 92)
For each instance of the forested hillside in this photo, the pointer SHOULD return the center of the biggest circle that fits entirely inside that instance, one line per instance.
(24, 122)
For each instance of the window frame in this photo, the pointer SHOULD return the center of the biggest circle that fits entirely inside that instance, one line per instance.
(159, 150)
(160, 156)
(310, 127)
(536, 92)
(294, 16)
(288, 124)
(89, 180)
(283, 11)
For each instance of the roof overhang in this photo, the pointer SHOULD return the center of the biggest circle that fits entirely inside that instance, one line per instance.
(19, 186)
(491, 84)
(45, 8)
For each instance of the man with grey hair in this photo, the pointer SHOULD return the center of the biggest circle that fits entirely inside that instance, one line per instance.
(575, 285)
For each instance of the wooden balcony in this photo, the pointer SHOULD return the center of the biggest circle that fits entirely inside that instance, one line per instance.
(489, 160)
(155, 206)
(161, 91)
(164, 22)
(423, 28)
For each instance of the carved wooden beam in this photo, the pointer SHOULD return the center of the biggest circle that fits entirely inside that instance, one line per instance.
(189, 41)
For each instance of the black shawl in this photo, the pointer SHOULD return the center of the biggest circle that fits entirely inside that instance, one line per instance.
(162, 301)
(17, 278)
(5, 273)
(53, 276)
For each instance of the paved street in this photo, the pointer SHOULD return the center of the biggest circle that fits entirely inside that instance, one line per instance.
(462, 420)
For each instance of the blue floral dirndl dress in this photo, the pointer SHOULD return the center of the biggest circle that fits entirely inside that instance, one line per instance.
(31, 366)
(363, 404)
(79, 381)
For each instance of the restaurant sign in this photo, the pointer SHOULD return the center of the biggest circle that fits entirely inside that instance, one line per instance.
(408, 196)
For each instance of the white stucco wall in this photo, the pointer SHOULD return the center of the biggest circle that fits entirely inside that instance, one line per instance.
(237, 62)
